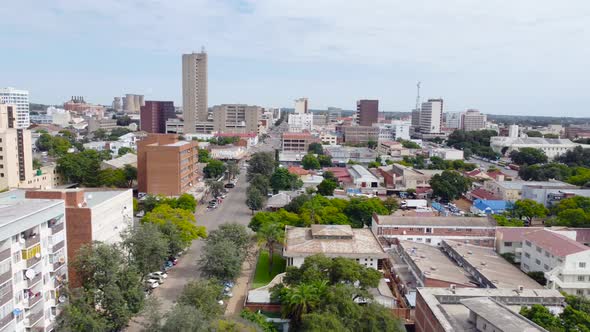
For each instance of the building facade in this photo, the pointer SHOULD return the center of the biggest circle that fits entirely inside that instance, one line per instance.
(296, 142)
(194, 90)
(166, 165)
(395, 130)
(154, 115)
(360, 134)
(300, 122)
(453, 120)
(431, 116)
(367, 112)
(33, 262)
(473, 120)
(20, 100)
(16, 161)
(236, 118)
(301, 106)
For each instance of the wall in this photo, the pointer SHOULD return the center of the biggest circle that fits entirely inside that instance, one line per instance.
(425, 321)
(112, 217)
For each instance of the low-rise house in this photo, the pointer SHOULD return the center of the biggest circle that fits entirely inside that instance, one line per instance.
(278, 201)
(433, 230)
(551, 195)
(480, 193)
(362, 178)
(340, 173)
(393, 148)
(344, 154)
(512, 190)
(482, 206)
(564, 261)
(402, 177)
(332, 241)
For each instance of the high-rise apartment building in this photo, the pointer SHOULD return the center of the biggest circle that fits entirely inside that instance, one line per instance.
(236, 118)
(166, 165)
(194, 90)
(431, 116)
(16, 162)
(301, 106)
(367, 112)
(20, 99)
(33, 262)
(473, 120)
(154, 114)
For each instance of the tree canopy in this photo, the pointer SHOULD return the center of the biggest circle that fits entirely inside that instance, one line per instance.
(315, 148)
(473, 142)
(528, 156)
(310, 161)
(281, 179)
(261, 163)
(214, 169)
(449, 185)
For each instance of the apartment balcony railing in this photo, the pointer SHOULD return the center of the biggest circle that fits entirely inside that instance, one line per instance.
(33, 240)
(35, 317)
(6, 276)
(6, 320)
(5, 298)
(57, 228)
(34, 300)
(57, 265)
(32, 282)
(4, 254)
(33, 261)
(58, 246)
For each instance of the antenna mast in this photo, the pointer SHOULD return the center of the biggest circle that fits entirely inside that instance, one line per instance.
(418, 95)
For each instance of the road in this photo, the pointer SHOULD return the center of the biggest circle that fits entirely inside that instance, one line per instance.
(232, 210)
(484, 164)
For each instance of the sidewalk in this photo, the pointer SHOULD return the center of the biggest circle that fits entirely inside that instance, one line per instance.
(236, 303)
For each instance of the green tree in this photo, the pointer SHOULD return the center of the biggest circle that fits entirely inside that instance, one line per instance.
(538, 276)
(281, 179)
(79, 315)
(124, 150)
(184, 220)
(309, 161)
(300, 300)
(326, 187)
(316, 148)
(146, 246)
(271, 234)
(260, 183)
(259, 319)
(542, 316)
(374, 164)
(130, 174)
(449, 185)
(371, 144)
(254, 199)
(203, 156)
(99, 134)
(410, 145)
(37, 164)
(328, 175)
(82, 167)
(551, 136)
(112, 178)
(391, 204)
(203, 296)
(186, 202)
(215, 187)
(185, 318)
(534, 133)
(528, 209)
(261, 163)
(236, 233)
(232, 170)
(360, 211)
(504, 221)
(214, 169)
(528, 156)
(325, 160)
(221, 260)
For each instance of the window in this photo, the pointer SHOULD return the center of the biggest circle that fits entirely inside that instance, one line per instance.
(527, 255)
(546, 267)
(538, 262)
(547, 254)
(539, 249)
(579, 292)
(582, 265)
(528, 243)
(508, 244)
(428, 240)
(581, 278)
(526, 267)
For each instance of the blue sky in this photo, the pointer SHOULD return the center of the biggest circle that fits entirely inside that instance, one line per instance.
(500, 56)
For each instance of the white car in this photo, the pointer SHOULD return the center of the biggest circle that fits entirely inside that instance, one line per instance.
(158, 274)
(152, 283)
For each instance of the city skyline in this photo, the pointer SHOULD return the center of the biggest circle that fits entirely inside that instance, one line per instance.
(501, 58)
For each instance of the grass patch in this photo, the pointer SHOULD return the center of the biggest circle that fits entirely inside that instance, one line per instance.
(261, 275)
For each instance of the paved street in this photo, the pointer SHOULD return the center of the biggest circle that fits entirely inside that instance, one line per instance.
(233, 209)
(486, 165)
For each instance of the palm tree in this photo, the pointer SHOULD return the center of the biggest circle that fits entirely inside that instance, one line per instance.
(215, 187)
(232, 170)
(302, 299)
(271, 234)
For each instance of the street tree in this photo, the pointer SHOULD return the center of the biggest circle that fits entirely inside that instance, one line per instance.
(186, 202)
(260, 182)
(360, 211)
(236, 233)
(528, 156)
(124, 150)
(326, 187)
(316, 148)
(203, 296)
(82, 167)
(449, 185)
(130, 174)
(221, 260)
(233, 170)
(146, 246)
(391, 204)
(113, 178)
(254, 199)
(203, 156)
(325, 160)
(184, 220)
(185, 318)
(281, 179)
(271, 235)
(309, 161)
(261, 163)
(215, 187)
(214, 169)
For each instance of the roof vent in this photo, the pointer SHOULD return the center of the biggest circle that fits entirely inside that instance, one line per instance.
(469, 252)
(433, 268)
(520, 288)
(484, 263)
(452, 288)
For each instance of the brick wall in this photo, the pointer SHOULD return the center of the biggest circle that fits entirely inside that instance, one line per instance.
(78, 233)
(424, 318)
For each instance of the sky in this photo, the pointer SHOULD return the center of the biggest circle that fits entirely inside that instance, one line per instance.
(525, 57)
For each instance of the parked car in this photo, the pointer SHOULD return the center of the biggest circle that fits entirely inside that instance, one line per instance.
(158, 274)
(152, 283)
(230, 185)
(158, 278)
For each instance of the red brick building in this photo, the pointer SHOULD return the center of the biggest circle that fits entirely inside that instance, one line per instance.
(154, 114)
(367, 112)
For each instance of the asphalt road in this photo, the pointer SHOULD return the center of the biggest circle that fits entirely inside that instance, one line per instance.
(232, 210)
(486, 165)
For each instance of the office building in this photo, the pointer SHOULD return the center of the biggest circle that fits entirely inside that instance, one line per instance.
(300, 122)
(91, 215)
(446, 153)
(473, 120)
(415, 118)
(105, 124)
(453, 120)
(236, 118)
(513, 131)
(154, 115)
(344, 154)
(431, 116)
(393, 131)
(16, 161)
(301, 106)
(194, 90)
(296, 142)
(33, 262)
(367, 112)
(166, 165)
(360, 134)
(20, 100)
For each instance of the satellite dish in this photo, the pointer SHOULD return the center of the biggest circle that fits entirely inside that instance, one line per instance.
(61, 299)
(62, 260)
(38, 255)
(30, 274)
(21, 240)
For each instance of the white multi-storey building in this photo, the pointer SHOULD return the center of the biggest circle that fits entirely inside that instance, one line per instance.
(300, 122)
(473, 120)
(565, 262)
(301, 106)
(20, 98)
(453, 120)
(33, 260)
(431, 116)
(393, 131)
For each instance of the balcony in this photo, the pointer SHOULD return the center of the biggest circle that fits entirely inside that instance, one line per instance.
(4, 254)
(33, 240)
(57, 228)
(34, 317)
(6, 320)
(5, 298)
(57, 265)
(33, 261)
(32, 282)
(6, 276)
(34, 299)
(58, 246)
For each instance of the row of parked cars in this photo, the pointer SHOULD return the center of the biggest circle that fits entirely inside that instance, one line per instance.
(155, 279)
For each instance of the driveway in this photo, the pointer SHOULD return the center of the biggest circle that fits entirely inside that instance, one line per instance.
(232, 210)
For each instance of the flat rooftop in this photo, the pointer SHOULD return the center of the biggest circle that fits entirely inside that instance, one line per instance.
(435, 264)
(14, 206)
(299, 241)
(450, 221)
(517, 185)
(499, 315)
(493, 266)
(94, 198)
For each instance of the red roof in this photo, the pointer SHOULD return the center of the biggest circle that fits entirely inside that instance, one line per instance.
(483, 194)
(495, 174)
(515, 234)
(475, 172)
(341, 173)
(298, 170)
(248, 135)
(423, 190)
(582, 234)
(296, 135)
(557, 244)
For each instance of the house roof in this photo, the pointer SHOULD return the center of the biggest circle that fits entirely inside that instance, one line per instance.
(493, 205)
(298, 170)
(450, 221)
(557, 244)
(483, 194)
(279, 200)
(331, 230)
(246, 135)
(296, 135)
(514, 234)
